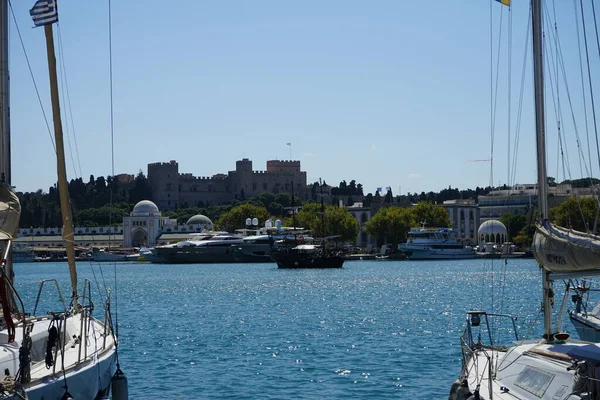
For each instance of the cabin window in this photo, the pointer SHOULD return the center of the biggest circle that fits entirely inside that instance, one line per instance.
(534, 380)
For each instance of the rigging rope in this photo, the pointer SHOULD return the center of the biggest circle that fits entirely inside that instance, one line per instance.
(587, 56)
(112, 151)
(37, 92)
(584, 98)
(10, 324)
(67, 100)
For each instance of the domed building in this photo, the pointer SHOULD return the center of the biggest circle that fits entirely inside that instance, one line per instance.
(144, 225)
(491, 231)
(200, 222)
(145, 208)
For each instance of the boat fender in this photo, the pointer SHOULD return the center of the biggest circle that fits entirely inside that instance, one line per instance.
(580, 378)
(52, 338)
(119, 386)
(475, 396)
(453, 389)
(67, 396)
(463, 392)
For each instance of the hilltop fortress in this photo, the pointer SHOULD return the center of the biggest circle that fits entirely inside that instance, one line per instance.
(172, 189)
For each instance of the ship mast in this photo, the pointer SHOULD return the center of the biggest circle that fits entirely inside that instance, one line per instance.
(5, 160)
(540, 135)
(5, 165)
(63, 186)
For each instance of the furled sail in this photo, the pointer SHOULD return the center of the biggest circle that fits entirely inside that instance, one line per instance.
(10, 212)
(563, 250)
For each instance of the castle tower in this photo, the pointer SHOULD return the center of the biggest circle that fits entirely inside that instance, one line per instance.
(164, 183)
(243, 187)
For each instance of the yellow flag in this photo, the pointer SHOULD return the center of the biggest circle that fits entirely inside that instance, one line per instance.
(505, 2)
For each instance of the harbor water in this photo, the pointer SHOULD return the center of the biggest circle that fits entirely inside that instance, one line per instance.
(373, 329)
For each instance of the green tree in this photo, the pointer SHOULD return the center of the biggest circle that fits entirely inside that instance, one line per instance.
(575, 213)
(432, 215)
(140, 188)
(236, 217)
(337, 221)
(391, 225)
(525, 237)
(513, 223)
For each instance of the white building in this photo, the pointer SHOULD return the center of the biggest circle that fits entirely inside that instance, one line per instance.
(464, 215)
(145, 226)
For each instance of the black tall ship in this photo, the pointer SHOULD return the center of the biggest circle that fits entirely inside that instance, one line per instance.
(296, 254)
(299, 253)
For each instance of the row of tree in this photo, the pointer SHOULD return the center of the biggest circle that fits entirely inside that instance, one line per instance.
(91, 207)
(389, 225)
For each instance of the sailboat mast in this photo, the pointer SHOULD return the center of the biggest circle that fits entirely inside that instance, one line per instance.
(540, 135)
(540, 128)
(5, 164)
(322, 214)
(63, 187)
(5, 161)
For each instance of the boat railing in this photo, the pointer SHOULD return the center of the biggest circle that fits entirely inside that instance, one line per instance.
(86, 312)
(60, 296)
(474, 322)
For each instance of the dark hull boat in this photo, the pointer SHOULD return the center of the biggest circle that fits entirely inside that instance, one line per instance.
(306, 256)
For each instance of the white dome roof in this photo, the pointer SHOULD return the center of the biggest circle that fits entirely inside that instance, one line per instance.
(199, 219)
(492, 227)
(145, 207)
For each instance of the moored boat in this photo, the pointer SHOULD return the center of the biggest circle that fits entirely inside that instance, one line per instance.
(65, 352)
(553, 366)
(306, 256)
(435, 244)
(208, 247)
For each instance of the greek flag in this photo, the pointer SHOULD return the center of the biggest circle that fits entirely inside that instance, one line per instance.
(388, 188)
(378, 190)
(44, 12)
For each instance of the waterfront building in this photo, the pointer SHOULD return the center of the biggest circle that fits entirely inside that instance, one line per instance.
(464, 215)
(145, 226)
(363, 215)
(172, 189)
(519, 199)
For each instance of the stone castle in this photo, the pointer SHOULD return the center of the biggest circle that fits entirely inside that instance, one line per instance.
(172, 189)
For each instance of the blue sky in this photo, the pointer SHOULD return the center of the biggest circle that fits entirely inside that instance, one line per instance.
(391, 93)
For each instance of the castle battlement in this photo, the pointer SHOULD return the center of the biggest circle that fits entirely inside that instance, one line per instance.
(294, 162)
(171, 189)
(162, 164)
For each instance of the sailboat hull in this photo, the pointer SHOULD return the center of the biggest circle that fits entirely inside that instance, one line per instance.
(587, 326)
(527, 371)
(85, 368)
(563, 250)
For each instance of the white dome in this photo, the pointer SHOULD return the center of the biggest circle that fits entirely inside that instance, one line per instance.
(145, 207)
(199, 219)
(492, 227)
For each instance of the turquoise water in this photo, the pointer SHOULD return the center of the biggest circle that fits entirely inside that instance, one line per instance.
(374, 329)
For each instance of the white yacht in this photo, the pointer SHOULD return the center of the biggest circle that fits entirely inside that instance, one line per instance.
(207, 247)
(435, 243)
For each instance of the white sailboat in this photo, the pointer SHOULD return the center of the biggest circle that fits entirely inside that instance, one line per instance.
(66, 353)
(553, 367)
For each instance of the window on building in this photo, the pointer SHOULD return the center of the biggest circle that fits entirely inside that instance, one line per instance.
(168, 186)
